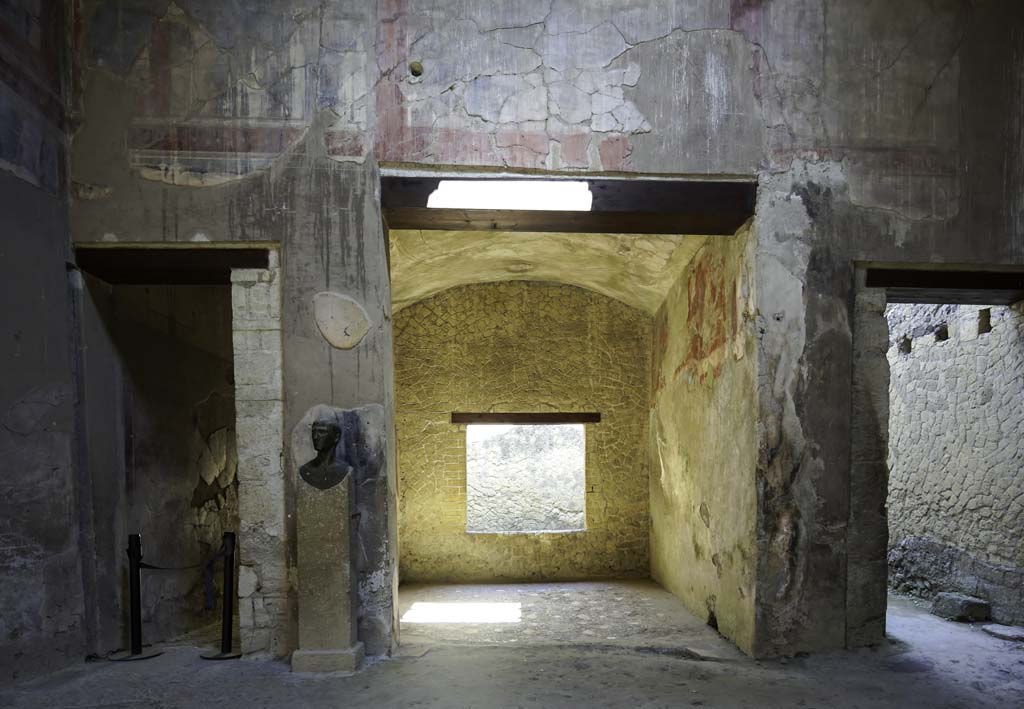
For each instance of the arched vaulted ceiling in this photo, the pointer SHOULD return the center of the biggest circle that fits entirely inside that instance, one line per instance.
(637, 269)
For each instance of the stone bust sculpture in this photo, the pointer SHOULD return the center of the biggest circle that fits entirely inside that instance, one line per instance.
(328, 468)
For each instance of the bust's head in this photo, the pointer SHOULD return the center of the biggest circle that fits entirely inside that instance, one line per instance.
(325, 433)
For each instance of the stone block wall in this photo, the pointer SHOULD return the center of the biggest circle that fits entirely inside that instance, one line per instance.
(265, 601)
(956, 453)
(521, 346)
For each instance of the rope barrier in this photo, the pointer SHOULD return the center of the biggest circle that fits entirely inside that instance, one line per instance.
(135, 566)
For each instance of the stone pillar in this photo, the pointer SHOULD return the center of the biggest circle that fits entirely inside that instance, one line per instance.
(263, 615)
(327, 623)
(867, 533)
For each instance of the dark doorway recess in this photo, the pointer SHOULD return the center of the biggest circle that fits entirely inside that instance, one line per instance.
(704, 207)
(527, 418)
(207, 266)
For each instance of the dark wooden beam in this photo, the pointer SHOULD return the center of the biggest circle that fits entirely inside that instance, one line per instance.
(704, 223)
(526, 418)
(639, 206)
(167, 266)
(952, 287)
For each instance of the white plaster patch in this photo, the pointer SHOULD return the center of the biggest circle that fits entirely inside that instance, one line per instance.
(217, 442)
(342, 321)
(248, 581)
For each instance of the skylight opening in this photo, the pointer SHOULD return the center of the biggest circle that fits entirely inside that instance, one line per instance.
(546, 195)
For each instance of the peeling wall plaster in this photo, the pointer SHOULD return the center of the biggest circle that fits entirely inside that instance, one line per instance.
(703, 439)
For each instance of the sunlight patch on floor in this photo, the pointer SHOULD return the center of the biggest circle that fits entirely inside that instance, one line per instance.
(423, 612)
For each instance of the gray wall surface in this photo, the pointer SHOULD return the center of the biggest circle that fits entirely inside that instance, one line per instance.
(42, 624)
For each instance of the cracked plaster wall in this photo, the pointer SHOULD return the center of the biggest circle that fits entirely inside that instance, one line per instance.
(217, 122)
(703, 438)
(160, 448)
(521, 346)
(858, 119)
(956, 488)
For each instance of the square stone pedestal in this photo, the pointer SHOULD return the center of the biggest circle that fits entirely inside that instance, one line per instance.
(327, 626)
(328, 660)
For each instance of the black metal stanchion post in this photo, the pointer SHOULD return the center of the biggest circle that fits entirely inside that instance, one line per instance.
(227, 618)
(135, 601)
(135, 592)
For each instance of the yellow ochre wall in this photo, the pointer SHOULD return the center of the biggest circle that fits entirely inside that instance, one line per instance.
(521, 346)
(704, 438)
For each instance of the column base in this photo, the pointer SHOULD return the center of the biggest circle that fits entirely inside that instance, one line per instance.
(347, 660)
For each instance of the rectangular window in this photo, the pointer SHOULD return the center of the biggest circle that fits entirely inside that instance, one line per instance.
(525, 478)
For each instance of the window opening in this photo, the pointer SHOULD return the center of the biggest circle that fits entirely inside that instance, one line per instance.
(984, 321)
(525, 478)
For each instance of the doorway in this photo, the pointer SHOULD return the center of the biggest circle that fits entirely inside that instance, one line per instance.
(623, 312)
(938, 387)
(161, 444)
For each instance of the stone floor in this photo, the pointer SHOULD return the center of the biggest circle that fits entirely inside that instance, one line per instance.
(592, 644)
(620, 614)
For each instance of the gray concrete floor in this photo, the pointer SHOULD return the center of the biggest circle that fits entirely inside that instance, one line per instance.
(576, 645)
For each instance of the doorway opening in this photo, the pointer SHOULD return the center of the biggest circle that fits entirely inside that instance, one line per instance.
(954, 413)
(634, 309)
(160, 343)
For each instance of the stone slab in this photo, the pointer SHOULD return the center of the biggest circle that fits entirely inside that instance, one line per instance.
(347, 660)
(326, 581)
(957, 606)
(1005, 632)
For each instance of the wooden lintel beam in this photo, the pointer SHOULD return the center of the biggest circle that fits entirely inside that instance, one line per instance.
(526, 418)
(907, 285)
(704, 223)
(633, 206)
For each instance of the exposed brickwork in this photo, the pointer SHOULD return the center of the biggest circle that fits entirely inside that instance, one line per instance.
(521, 347)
